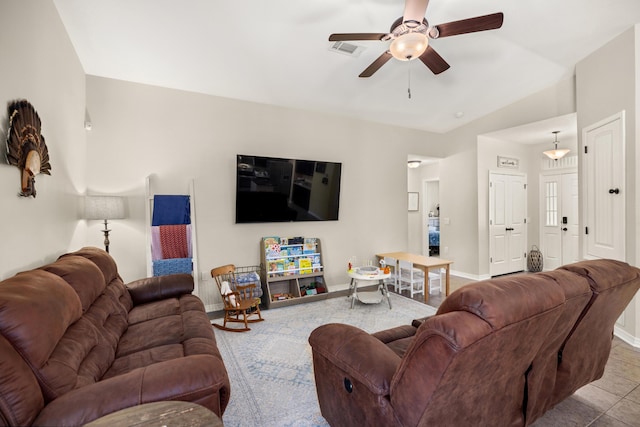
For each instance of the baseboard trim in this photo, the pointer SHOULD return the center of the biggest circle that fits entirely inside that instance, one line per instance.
(469, 276)
(626, 337)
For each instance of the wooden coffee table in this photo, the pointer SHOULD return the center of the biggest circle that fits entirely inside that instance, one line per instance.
(169, 413)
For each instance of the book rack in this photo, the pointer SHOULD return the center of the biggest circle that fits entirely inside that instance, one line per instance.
(291, 270)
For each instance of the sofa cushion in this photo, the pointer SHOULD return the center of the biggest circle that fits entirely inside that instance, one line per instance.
(87, 348)
(20, 395)
(604, 274)
(36, 309)
(163, 307)
(102, 259)
(82, 275)
(505, 300)
(185, 327)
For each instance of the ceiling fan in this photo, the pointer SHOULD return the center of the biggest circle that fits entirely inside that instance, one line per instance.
(410, 36)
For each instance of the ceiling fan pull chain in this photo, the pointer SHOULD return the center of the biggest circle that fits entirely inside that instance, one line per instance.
(409, 82)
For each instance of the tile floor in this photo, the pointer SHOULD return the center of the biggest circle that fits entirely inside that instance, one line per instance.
(612, 401)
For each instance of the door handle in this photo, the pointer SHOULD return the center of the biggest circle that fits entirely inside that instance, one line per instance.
(614, 191)
(564, 228)
(509, 229)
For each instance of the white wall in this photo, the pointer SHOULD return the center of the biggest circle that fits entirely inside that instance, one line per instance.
(140, 130)
(40, 65)
(607, 83)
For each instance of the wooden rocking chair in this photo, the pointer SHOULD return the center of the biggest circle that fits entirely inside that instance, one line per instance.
(240, 305)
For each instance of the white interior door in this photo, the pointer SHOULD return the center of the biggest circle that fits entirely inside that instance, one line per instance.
(498, 239)
(604, 189)
(507, 223)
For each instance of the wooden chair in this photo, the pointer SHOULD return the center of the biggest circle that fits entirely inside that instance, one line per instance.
(239, 303)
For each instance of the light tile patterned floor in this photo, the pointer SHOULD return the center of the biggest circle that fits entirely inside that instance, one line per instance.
(612, 401)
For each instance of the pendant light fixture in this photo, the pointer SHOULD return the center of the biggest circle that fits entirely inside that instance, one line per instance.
(556, 154)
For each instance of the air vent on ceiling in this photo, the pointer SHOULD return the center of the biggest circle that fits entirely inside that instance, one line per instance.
(346, 48)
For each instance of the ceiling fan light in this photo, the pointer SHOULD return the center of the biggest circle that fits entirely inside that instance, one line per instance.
(409, 46)
(412, 164)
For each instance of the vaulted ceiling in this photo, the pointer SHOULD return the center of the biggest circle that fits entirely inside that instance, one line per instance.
(277, 52)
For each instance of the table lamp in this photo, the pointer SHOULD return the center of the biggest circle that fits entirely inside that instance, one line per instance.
(104, 208)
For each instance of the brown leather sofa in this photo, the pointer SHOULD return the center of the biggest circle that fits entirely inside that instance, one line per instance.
(76, 343)
(497, 352)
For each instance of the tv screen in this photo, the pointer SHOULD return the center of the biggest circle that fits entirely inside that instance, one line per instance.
(272, 189)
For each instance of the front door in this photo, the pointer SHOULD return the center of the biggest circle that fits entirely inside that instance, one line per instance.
(559, 219)
(507, 223)
(570, 224)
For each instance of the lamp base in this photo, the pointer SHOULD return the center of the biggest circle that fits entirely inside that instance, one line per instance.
(106, 236)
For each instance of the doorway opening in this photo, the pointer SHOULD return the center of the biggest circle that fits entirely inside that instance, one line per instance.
(431, 217)
(426, 199)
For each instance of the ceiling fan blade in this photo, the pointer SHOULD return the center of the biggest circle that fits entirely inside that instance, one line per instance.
(356, 36)
(375, 65)
(434, 61)
(471, 25)
(414, 10)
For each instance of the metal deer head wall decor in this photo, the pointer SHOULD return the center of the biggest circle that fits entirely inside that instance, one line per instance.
(26, 148)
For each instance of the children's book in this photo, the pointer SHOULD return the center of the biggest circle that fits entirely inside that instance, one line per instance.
(268, 241)
(276, 267)
(309, 245)
(305, 265)
(290, 267)
(315, 260)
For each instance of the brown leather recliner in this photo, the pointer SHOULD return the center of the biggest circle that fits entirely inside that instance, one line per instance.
(490, 356)
(77, 344)
(584, 354)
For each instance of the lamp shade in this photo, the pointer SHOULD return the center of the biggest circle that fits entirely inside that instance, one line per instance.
(103, 207)
(409, 46)
(556, 154)
(412, 164)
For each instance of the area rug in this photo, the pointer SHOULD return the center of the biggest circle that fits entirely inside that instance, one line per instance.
(270, 367)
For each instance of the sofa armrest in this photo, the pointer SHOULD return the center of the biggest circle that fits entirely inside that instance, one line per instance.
(418, 322)
(399, 332)
(357, 353)
(196, 378)
(160, 287)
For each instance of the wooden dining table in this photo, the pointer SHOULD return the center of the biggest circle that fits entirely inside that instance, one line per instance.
(425, 263)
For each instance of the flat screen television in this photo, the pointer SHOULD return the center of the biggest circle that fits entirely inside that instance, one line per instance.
(273, 189)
